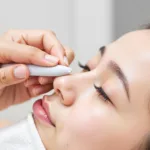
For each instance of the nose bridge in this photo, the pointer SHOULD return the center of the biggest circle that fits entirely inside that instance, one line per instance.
(72, 81)
(69, 87)
(83, 80)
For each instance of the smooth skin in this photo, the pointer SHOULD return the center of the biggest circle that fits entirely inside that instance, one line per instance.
(39, 47)
(84, 120)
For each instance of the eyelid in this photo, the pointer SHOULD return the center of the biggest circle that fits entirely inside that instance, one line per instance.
(102, 93)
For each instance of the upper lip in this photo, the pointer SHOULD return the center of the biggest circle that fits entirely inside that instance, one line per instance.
(46, 108)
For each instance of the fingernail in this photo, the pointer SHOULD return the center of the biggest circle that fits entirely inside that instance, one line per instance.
(20, 72)
(66, 60)
(51, 58)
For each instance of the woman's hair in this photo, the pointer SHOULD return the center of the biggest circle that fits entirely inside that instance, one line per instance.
(145, 144)
(146, 26)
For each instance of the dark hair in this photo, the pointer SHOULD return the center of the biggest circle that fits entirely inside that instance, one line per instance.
(146, 26)
(144, 144)
(147, 144)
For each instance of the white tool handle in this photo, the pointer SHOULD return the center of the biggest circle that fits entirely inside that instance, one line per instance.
(58, 70)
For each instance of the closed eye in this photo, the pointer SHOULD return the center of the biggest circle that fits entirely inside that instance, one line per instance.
(102, 93)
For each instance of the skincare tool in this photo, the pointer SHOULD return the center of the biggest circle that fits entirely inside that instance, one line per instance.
(58, 70)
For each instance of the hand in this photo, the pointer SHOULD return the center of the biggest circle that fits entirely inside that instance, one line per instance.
(37, 47)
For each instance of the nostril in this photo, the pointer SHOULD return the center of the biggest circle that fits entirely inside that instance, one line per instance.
(59, 93)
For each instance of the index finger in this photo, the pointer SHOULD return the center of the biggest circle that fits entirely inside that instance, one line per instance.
(42, 39)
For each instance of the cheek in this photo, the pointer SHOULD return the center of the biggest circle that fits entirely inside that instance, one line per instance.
(86, 120)
(87, 125)
(99, 127)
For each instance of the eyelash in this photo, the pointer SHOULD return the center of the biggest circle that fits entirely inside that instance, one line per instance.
(99, 90)
(85, 67)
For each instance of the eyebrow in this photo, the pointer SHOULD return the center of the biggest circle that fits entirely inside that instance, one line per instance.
(117, 70)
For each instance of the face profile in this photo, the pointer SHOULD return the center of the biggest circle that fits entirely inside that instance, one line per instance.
(106, 106)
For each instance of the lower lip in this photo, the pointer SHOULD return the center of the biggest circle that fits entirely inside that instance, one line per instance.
(40, 113)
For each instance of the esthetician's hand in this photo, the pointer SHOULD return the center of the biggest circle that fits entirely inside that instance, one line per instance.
(39, 47)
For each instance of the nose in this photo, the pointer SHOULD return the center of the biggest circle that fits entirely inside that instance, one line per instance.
(70, 87)
(63, 87)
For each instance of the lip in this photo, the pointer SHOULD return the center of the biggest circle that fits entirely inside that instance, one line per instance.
(40, 111)
(46, 107)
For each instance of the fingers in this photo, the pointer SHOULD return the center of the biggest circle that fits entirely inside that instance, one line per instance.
(36, 90)
(70, 57)
(45, 80)
(29, 52)
(38, 80)
(42, 39)
(31, 81)
(13, 74)
(19, 53)
(41, 85)
(70, 54)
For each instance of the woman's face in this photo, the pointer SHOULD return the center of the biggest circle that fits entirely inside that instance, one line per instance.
(104, 108)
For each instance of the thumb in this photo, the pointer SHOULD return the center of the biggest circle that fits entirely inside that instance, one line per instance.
(13, 74)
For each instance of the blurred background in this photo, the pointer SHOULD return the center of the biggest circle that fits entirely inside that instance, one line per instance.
(83, 25)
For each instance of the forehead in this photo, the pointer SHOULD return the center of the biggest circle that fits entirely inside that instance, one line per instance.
(134, 42)
(132, 53)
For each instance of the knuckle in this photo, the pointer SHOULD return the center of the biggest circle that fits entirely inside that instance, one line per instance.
(34, 91)
(33, 52)
(31, 92)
